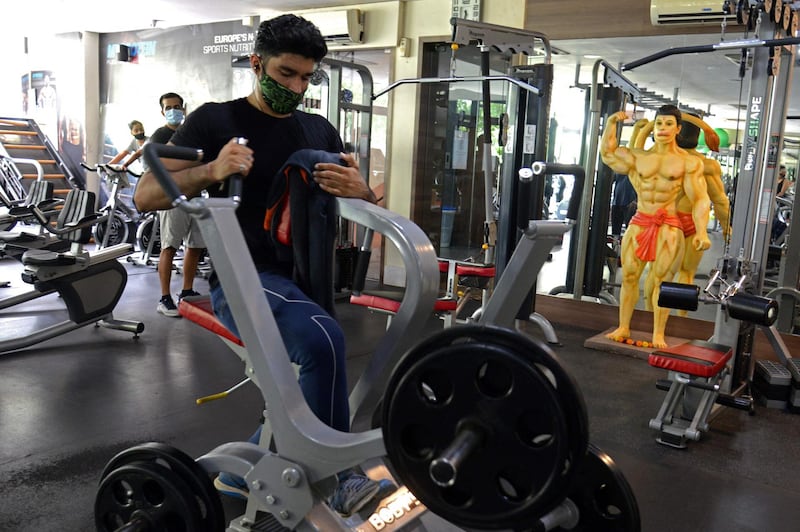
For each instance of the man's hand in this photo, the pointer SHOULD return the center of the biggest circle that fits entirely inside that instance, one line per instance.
(343, 181)
(233, 158)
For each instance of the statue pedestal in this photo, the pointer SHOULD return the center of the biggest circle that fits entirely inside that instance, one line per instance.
(601, 343)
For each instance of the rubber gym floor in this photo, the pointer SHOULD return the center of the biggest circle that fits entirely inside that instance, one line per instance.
(69, 404)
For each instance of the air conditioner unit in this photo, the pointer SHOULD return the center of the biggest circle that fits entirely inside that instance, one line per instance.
(684, 12)
(340, 27)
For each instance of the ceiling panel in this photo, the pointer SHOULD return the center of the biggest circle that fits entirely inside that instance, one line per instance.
(706, 81)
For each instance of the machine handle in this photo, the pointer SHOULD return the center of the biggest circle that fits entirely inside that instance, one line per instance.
(362, 262)
(153, 153)
(577, 171)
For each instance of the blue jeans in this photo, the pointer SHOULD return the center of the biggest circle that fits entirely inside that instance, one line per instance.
(314, 341)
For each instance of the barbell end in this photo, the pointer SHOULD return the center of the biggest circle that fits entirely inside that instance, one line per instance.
(539, 167)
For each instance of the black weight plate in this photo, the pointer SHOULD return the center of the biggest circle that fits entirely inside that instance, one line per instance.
(504, 480)
(512, 386)
(604, 497)
(532, 349)
(212, 513)
(146, 491)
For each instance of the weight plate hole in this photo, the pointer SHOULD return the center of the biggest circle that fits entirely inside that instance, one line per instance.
(535, 430)
(603, 497)
(123, 493)
(153, 493)
(495, 379)
(513, 486)
(548, 374)
(435, 387)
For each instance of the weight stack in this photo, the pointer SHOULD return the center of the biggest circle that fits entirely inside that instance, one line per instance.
(794, 395)
(772, 384)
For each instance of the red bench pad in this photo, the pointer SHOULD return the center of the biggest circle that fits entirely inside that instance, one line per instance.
(198, 310)
(699, 358)
(390, 302)
(477, 271)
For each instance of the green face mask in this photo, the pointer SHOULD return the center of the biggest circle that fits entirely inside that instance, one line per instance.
(280, 99)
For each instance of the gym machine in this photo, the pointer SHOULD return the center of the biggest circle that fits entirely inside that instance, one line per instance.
(501, 443)
(770, 62)
(529, 98)
(90, 283)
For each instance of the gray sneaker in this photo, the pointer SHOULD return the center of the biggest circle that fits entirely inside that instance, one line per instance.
(166, 306)
(353, 493)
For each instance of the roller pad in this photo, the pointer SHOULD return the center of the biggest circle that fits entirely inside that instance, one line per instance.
(198, 310)
(389, 301)
(698, 358)
(477, 271)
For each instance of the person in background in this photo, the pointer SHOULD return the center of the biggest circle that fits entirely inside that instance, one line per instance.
(134, 149)
(177, 227)
(623, 204)
(287, 51)
(783, 183)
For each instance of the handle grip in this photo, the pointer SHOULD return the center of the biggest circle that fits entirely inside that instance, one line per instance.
(235, 180)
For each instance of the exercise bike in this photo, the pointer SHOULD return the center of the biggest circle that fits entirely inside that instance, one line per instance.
(125, 224)
(480, 426)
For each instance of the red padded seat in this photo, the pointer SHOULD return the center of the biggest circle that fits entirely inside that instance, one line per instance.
(698, 358)
(198, 310)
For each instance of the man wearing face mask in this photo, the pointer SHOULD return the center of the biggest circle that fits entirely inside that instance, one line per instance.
(176, 226)
(287, 52)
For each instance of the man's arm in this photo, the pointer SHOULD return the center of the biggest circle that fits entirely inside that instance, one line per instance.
(619, 159)
(716, 192)
(694, 185)
(193, 177)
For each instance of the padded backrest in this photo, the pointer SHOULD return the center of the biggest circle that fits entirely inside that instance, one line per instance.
(78, 205)
(39, 192)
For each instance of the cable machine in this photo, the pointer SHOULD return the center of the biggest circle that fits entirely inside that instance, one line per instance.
(770, 62)
(523, 133)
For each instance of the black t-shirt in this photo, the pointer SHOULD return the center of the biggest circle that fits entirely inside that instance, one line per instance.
(272, 140)
(162, 135)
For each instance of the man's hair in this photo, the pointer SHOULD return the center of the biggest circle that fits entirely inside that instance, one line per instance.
(669, 110)
(167, 96)
(689, 135)
(134, 123)
(290, 34)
